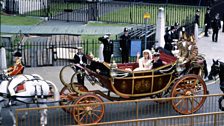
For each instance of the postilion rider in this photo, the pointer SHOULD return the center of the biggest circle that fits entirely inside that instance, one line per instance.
(188, 54)
(15, 70)
(18, 66)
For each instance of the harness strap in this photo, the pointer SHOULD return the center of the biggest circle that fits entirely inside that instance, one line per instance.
(42, 92)
(17, 96)
(48, 102)
(35, 94)
(25, 77)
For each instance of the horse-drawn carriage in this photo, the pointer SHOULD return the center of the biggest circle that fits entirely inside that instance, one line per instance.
(167, 80)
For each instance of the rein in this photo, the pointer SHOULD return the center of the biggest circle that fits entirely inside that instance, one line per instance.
(221, 70)
(34, 96)
(47, 102)
(17, 96)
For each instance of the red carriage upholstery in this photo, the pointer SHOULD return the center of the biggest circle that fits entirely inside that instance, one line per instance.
(124, 66)
(167, 58)
(163, 56)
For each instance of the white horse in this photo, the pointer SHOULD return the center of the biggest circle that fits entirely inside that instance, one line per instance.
(29, 88)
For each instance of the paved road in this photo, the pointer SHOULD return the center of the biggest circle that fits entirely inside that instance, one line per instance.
(59, 27)
(212, 50)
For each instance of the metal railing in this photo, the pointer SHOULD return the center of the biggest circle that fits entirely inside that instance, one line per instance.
(114, 11)
(204, 119)
(55, 50)
(121, 110)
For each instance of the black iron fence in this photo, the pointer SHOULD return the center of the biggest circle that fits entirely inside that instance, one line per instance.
(55, 50)
(113, 11)
(181, 2)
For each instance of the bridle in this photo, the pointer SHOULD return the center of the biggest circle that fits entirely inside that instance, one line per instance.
(217, 67)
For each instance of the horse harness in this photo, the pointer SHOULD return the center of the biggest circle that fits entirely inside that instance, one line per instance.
(35, 97)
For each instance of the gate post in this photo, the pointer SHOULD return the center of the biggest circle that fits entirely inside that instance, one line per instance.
(196, 31)
(3, 63)
(160, 28)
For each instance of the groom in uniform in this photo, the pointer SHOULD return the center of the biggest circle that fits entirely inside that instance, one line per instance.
(80, 58)
(125, 42)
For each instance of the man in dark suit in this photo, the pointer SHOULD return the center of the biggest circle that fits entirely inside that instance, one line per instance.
(216, 25)
(157, 62)
(197, 17)
(125, 45)
(174, 33)
(108, 47)
(80, 58)
(168, 41)
(207, 21)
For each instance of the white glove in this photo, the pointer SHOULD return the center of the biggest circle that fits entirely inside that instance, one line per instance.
(120, 49)
(185, 61)
(5, 71)
(180, 59)
(138, 54)
(105, 36)
(13, 94)
(205, 24)
(7, 74)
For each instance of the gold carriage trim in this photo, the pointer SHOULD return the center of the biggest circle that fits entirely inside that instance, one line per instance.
(124, 95)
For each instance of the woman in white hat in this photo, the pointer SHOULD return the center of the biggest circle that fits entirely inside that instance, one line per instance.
(145, 63)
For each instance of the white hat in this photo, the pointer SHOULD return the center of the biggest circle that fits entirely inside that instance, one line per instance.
(105, 36)
(147, 51)
(156, 54)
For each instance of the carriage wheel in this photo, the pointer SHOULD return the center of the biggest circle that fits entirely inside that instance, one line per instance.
(188, 85)
(66, 74)
(74, 78)
(88, 113)
(68, 91)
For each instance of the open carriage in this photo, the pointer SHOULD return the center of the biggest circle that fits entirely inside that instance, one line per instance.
(165, 81)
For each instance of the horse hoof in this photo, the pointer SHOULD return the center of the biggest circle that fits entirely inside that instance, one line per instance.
(207, 92)
(23, 118)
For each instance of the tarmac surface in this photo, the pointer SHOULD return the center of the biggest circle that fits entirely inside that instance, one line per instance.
(61, 27)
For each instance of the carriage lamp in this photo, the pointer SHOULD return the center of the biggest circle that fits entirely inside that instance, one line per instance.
(113, 73)
(113, 66)
(179, 68)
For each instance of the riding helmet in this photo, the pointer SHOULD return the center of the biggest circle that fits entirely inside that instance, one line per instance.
(17, 54)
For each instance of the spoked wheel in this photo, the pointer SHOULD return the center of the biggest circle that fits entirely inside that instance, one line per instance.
(66, 74)
(221, 102)
(188, 85)
(68, 95)
(74, 78)
(88, 113)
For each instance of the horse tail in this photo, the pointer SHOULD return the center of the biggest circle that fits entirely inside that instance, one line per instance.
(56, 92)
(205, 69)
